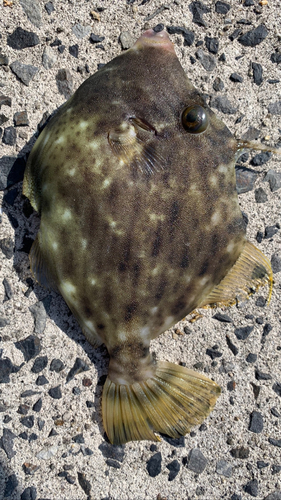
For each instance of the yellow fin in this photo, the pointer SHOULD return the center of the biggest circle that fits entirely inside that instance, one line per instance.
(251, 270)
(38, 266)
(170, 402)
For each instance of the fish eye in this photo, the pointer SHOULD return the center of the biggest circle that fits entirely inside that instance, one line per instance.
(195, 119)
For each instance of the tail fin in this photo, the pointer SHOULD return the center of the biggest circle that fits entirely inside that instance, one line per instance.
(170, 402)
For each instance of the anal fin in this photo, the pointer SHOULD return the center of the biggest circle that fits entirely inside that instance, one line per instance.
(251, 270)
(38, 265)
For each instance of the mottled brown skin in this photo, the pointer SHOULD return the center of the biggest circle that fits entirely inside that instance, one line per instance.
(134, 251)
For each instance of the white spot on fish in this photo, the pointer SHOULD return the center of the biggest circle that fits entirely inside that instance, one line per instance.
(106, 182)
(223, 169)
(169, 321)
(121, 336)
(145, 331)
(66, 214)
(46, 138)
(83, 124)
(154, 310)
(68, 288)
(215, 219)
(54, 245)
(84, 243)
(94, 145)
(93, 281)
(204, 280)
(155, 271)
(213, 180)
(60, 140)
(230, 247)
(72, 171)
(89, 324)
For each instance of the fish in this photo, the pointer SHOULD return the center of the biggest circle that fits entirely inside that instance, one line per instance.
(134, 181)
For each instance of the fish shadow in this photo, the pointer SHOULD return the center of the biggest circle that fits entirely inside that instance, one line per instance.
(25, 223)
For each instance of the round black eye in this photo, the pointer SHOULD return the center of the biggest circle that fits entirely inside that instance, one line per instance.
(195, 119)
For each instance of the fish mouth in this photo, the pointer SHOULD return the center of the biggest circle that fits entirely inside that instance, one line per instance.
(154, 39)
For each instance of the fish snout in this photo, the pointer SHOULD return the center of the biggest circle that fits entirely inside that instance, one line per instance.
(155, 39)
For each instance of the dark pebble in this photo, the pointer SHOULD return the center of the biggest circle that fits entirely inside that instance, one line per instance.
(259, 236)
(30, 347)
(56, 365)
(234, 77)
(113, 463)
(260, 159)
(61, 49)
(86, 451)
(10, 196)
(198, 9)
(100, 66)
(41, 380)
(276, 57)
(207, 60)
(70, 479)
(212, 44)
(275, 412)
(29, 393)
(78, 439)
(153, 465)
(27, 421)
(90, 404)
(234, 349)
(218, 84)
(187, 34)
(6, 442)
(39, 364)
(222, 7)
(10, 136)
(196, 462)
(276, 263)
(96, 38)
(38, 405)
(262, 376)
(8, 290)
(275, 442)
(174, 468)
(39, 312)
(266, 329)
(235, 34)
(252, 488)
(24, 436)
(277, 388)
(221, 103)
(224, 318)
(6, 368)
(249, 3)
(260, 302)
(256, 390)
(20, 39)
(4, 60)
(187, 330)
(40, 423)
(270, 231)
(25, 72)
(55, 43)
(253, 37)
(6, 418)
(29, 493)
(78, 367)
(261, 464)
(257, 73)
(110, 451)
(84, 483)
(236, 496)
(64, 82)
(55, 392)
(275, 469)
(5, 101)
(52, 433)
(241, 452)
(76, 391)
(21, 119)
(159, 27)
(32, 437)
(243, 332)
(251, 358)
(10, 486)
(213, 353)
(3, 118)
(245, 179)
(74, 50)
(231, 385)
(256, 422)
(49, 6)
(3, 322)
(11, 170)
(273, 80)
(260, 195)
(23, 409)
(243, 158)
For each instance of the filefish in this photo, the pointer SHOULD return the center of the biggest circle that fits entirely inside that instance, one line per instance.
(134, 180)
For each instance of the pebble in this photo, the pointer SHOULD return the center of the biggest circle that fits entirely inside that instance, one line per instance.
(261, 464)
(40, 316)
(56, 365)
(64, 82)
(41, 380)
(96, 38)
(234, 349)
(78, 367)
(198, 9)
(8, 290)
(270, 231)
(274, 179)
(33, 11)
(266, 330)
(252, 488)
(47, 453)
(27, 421)
(257, 73)
(25, 72)
(84, 483)
(81, 31)
(222, 7)
(20, 39)
(113, 463)
(234, 77)
(245, 179)
(10, 136)
(240, 452)
(256, 422)
(4, 60)
(256, 390)
(30, 347)
(260, 159)
(224, 468)
(188, 35)
(76, 391)
(260, 195)
(243, 332)
(11, 485)
(212, 44)
(23, 435)
(38, 405)
(78, 439)
(55, 392)
(224, 318)
(39, 364)
(29, 493)
(218, 84)
(49, 57)
(11, 170)
(261, 375)
(6, 368)
(275, 469)
(197, 462)
(235, 34)
(23, 409)
(260, 302)
(275, 442)
(276, 263)
(221, 103)
(7, 442)
(74, 50)
(274, 108)
(253, 37)
(21, 119)
(49, 6)
(213, 353)
(251, 358)
(277, 388)
(126, 40)
(3, 119)
(112, 451)
(207, 60)
(275, 495)
(153, 465)
(5, 101)
(40, 423)
(174, 468)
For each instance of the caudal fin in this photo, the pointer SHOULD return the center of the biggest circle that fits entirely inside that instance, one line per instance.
(170, 402)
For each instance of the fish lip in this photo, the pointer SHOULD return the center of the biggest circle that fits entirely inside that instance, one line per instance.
(155, 39)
